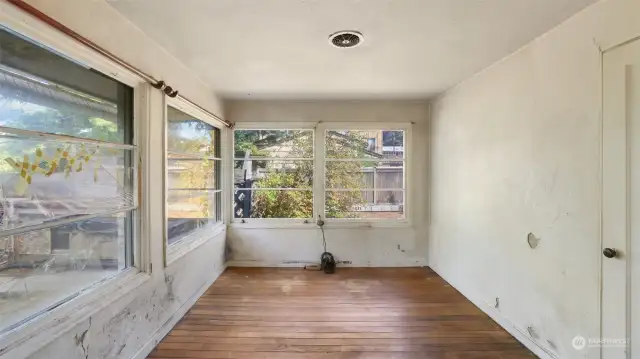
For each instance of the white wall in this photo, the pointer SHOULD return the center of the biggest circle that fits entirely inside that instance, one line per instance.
(361, 246)
(120, 323)
(516, 149)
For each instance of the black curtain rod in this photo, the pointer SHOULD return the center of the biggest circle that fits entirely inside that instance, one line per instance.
(159, 84)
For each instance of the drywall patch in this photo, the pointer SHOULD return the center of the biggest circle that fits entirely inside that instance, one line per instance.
(533, 241)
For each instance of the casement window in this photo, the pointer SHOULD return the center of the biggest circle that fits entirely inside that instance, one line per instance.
(273, 174)
(68, 168)
(340, 172)
(193, 176)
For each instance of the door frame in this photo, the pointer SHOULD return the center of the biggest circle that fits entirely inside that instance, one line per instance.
(615, 275)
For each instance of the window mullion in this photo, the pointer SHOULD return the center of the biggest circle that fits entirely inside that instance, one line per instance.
(318, 183)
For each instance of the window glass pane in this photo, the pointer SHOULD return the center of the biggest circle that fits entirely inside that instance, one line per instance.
(273, 174)
(188, 211)
(273, 204)
(273, 143)
(42, 91)
(196, 173)
(364, 144)
(188, 135)
(41, 268)
(43, 181)
(49, 181)
(364, 174)
(364, 204)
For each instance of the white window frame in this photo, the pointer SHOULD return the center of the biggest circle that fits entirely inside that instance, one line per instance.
(202, 235)
(33, 334)
(318, 176)
(267, 222)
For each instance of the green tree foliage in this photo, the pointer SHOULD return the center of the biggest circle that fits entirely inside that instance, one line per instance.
(298, 174)
(192, 143)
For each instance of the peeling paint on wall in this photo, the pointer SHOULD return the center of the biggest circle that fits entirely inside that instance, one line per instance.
(80, 341)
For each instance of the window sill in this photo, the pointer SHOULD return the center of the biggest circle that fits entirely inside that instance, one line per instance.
(191, 242)
(265, 224)
(33, 335)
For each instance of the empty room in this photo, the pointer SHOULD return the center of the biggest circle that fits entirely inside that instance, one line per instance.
(319, 179)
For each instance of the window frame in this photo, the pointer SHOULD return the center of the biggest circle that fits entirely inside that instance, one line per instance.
(29, 336)
(269, 222)
(319, 161)
(198, 237)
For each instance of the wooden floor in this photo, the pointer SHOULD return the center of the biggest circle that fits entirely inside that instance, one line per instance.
(364, 313)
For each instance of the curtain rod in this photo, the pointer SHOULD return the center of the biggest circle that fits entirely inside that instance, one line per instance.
(159, 84)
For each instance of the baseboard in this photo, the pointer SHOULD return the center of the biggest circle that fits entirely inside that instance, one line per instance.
(505, 323)
(173, 320)
(301, 264)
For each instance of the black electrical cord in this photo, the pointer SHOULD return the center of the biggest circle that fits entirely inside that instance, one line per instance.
(327, 261)
(324, 240)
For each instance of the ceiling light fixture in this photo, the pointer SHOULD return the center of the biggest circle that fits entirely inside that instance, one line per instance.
(345, 39)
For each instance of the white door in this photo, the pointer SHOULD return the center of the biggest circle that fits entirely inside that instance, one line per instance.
(621, 203)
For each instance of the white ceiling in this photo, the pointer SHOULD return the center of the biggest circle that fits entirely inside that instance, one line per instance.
(280, 48)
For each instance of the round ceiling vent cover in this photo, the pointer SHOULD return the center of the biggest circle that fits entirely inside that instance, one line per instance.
(346, 39)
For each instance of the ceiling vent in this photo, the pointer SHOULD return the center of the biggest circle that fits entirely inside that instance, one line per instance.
(346, 39)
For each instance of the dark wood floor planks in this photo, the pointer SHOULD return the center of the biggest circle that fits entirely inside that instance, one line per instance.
(356, 313)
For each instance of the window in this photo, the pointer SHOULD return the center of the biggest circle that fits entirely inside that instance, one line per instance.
(362, 182)
(67, 174)
(193, 175)
(273, 174)
(360, 173)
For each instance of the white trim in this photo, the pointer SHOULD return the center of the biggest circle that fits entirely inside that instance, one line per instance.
(48, 136)
(191, 110)
(192, 241)
(31, 27)
(275, 126)
(142, 220)
(285, 223)
(157, 337)
(331, 159)
(272, 189)
(327, 189)
(273, 223)
(365, 126)
(283, 159)
(42, 330)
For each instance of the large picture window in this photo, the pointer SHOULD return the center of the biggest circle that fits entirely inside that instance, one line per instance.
(67, 174)
(273, 174)
(361, 173)
(193, 175)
